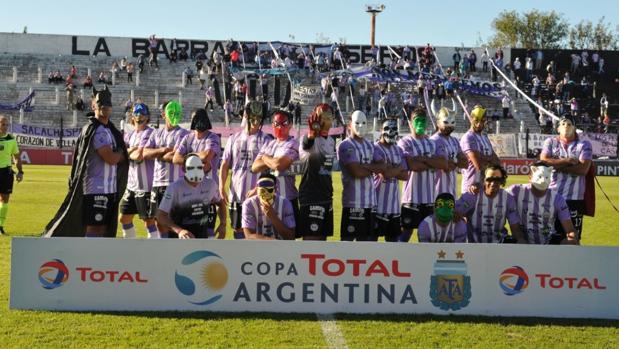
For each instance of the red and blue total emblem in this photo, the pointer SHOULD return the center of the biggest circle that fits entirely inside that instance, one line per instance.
(53, 274)
(513, 280)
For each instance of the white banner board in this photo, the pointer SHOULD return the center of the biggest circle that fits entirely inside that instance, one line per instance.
(308, 277)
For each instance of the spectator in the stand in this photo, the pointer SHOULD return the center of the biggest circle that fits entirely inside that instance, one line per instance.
(50, 77)
(140, 61)
(574, 107)
(182, 56)
(102, 78)
(124, 63)
(153, 44)
(517, 65)
(188, 75)
(484, 62)
(539, 58)
(130, 69)
(575, 63)
(210, 97)
(456, 59)
(79, 104)
(505, 103)
(73, 72)
(472, 61)
(202, 76)
(115, 69)
(595, 59)
(87, 82)
(603, 104)
(70, 96)
(528, 67)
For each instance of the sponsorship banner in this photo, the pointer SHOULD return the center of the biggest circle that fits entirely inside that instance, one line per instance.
(607, 168)
(308, 277)
(41, 156)
(44, 137)
(517, 166)
(603, 144)
(504, 144)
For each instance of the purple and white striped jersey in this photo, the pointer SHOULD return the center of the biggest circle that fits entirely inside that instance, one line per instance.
(140, 177)
(570, 186)
(446, 180)
(473, 141)
(538, 214)
(419, 188)
(192, 144)
(240, 152)
(100, 177)
(285, 179)
(254, 219)
(166, 173)
(357, 192)
(430, 231)
(486, 216)
(388, 190)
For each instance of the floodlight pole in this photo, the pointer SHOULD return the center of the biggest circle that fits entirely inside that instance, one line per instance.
(373, 10)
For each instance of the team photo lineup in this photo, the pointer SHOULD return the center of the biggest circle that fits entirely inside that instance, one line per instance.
(180, 181)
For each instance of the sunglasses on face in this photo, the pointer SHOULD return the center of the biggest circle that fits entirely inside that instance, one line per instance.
(494, 179)
(268, 190)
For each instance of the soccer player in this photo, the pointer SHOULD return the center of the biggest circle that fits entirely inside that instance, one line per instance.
(487, 211)
(98, 174)
(9, 152)
(241, 150)
(267, 215)
(186, 205)
(441, 226)
(423, 157)
(277, 157)
(204, 143)
(446, 123)
(387, 221)
(570, 158)
(160, 147)
(359, 161)
(136, 199)
(317, 152)
(478, 149)
(538, 208)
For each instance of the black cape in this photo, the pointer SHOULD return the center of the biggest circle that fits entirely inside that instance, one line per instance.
(68, 219)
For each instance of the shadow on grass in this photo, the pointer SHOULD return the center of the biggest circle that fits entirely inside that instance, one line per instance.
(394, 318)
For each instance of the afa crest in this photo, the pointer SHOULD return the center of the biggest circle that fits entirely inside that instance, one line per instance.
(450, 286)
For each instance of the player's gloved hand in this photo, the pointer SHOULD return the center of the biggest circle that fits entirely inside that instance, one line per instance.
(20, 176)
(314, 125)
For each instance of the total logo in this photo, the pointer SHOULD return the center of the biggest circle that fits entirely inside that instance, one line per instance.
(55, 273)
(514, 280)
(201, 277)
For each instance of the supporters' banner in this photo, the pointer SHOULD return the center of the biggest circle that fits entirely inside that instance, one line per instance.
(306, 95)
(504, 144)
(603, 144)
(45, 137)
(384, 75)
(325, 277)
(25, 104)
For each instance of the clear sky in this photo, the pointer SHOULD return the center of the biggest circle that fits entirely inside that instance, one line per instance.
(442, 23)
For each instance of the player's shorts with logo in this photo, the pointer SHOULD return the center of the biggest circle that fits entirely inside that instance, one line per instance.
(136, 202)
(357, 224)
(414, 214)
(315, 220)
(98, 209)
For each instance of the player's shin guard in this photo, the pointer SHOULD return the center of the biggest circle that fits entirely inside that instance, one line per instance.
(4, 209)
(128, 231)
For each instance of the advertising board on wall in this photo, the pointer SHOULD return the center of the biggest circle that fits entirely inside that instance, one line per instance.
(323, 277)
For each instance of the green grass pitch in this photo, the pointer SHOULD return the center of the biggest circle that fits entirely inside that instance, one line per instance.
(36, 199)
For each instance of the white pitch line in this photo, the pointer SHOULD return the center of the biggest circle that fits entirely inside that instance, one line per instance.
(332, 334)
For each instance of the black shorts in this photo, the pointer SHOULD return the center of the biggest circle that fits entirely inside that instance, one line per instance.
(315, 220)
(156, 194)
(577, 210)
(6, 180)
(235, 210)
(387, 225)
(295, 211)
(357, 224)
(414, 214)
(98, 209)
(136, 202)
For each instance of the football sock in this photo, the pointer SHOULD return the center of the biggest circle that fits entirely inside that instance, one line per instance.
(4, 208)
(152, 232)
(128, 231)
